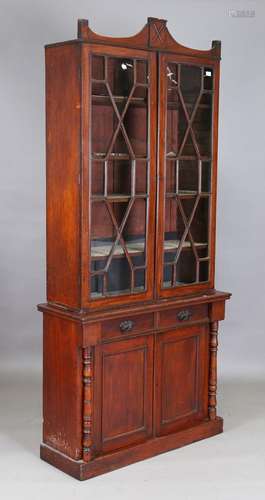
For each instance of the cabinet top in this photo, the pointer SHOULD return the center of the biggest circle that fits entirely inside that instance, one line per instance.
(153, 36)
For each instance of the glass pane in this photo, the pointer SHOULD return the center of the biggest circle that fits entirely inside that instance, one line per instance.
(171, 219)
(208, 79)
(141, 177)
(120, 76)
(188, 147)
(204, 271)
(97, 174)
(172, 81)
(97, 285)
(100, 213)
(174, 133)
(168, 276)
(136, 223)
(119, 175)
(202, 251)
(188, 176)
(171, 176)
(118, 276)
(98, 67)
(104, 123)
(190, 84)
(186, 268)
(99, 91)
(206, 176)
(188, 168)
(199, 224)
(142, 72)
(136, 123)
(202, 126)
(139, 279)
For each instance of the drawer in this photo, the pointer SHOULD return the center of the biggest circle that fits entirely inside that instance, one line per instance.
(182, 315)
(127, 325)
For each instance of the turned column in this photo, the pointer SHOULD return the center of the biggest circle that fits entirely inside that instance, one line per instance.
(212, 402)
(87, 403)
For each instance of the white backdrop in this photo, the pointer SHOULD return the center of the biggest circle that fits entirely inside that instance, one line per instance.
(29, 24)
(228, 467)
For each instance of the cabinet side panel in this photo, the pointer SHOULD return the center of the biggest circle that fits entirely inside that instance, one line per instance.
(63, 110)
(62, 386)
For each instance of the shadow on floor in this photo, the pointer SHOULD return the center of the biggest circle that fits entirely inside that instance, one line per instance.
(20, 403)
(240, 401)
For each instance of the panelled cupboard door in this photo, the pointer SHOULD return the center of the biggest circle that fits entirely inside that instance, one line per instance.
(188, 97)
(181, 378)
(124, 382)
(119, 253)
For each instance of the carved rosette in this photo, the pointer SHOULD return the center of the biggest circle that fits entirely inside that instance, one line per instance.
(87, 403)
(212, 402)
(157, 32)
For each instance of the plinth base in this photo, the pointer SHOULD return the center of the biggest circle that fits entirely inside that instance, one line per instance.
(115, 460)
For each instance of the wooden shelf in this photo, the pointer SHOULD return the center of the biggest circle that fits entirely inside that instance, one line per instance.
(168, 284)
(106, 100)
(174, 156)
(118, 198)
(137, 247)
(100, 251)
(175, 105)
(188, 194)
(117, 156)
(191, 95)
(171, 245)
(137, 289)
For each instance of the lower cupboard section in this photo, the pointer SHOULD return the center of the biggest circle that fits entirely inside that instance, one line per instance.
(149, 386)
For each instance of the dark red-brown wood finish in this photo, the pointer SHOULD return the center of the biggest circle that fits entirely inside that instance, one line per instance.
(131, 321)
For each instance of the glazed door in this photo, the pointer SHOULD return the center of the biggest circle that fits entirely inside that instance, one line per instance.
(181, 378)
(188, 99)
(122, 149)
(123, 393)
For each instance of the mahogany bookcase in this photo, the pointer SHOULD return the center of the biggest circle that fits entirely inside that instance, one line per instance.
(131, 319)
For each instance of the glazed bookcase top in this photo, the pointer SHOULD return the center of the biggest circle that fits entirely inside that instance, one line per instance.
(131, 195)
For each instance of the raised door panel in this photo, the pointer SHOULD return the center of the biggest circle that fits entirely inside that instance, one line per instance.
(181, 378)
(124, 376)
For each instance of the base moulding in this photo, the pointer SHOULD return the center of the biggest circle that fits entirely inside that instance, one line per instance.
(120, 458)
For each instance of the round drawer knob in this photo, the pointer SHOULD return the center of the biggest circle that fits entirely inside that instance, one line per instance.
(184, 315)
(126, 326)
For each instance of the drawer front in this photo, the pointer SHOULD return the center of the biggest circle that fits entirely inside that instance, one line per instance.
(122, 327)
(182, 315)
